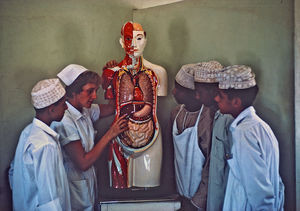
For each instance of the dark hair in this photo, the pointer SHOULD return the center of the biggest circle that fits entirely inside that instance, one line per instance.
(83, 79)
(247, 96)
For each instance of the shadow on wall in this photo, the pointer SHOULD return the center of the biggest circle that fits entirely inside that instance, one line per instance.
(178, 36)
(71, 40)
(250, 59)
(274, 121)
(267, 114)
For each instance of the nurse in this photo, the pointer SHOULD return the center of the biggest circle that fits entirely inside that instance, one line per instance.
(39, 180)
(254, 182)
(78, 134)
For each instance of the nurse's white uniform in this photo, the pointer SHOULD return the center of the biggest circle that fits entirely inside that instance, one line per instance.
(73, 127)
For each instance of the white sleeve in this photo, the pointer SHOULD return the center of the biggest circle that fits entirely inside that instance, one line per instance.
(94, 112)
(67, 131)
(253, 170)
(45, 161)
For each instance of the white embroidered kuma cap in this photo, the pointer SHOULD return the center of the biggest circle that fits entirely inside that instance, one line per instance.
(185, 76)
(207, 72)
(47, 92)
(236, 77)
(69, 74)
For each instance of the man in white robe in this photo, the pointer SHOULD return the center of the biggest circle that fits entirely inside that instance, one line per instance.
(254, 182)
(38, 178)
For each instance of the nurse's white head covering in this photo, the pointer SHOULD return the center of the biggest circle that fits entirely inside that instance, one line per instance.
(236, 77)
(47, 92)
(206, 72)
(69, 74)
(185, 76)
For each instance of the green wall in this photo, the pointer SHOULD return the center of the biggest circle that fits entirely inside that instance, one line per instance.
(37, 39)
(252, 32)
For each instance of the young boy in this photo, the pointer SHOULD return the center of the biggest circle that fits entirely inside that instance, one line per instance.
(39, 180)
(216, 170)
(78, 134)
(254, 182)
(192, 129)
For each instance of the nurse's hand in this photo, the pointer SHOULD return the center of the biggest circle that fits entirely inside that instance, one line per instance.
(119, 126)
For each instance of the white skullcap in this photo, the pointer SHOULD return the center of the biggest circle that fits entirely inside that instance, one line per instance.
(206, 72)
(236, 77)
(69, 74)
(185, 76)
(47, 92)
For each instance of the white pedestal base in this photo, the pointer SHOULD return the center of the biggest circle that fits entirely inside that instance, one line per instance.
(140, 205)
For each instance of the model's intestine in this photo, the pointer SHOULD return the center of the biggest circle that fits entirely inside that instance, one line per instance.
(136, 99)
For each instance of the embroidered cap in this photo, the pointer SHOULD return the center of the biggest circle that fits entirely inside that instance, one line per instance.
(47, 92)
(69, 74)
(185, 76)
(206, 72)
(236, 77)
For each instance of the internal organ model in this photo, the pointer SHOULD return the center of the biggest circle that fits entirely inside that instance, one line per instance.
(136, 99)
(135, 155)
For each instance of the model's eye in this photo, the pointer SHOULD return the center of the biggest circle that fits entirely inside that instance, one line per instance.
(139, 38)
(128, 38)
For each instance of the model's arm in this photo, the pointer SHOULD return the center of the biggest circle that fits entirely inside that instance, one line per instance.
(161, 73)
(108, 109)
(253, 169)
(84, 160)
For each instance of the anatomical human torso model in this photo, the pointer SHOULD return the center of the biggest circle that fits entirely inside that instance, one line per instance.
(135, 156)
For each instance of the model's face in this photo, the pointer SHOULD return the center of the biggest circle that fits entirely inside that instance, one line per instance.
(127, 38)
(87, 96)
(139, 43)
(224, 104)
(134, 42)
(59, 109)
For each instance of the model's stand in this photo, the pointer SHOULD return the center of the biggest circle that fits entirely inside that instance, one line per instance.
(169, 203)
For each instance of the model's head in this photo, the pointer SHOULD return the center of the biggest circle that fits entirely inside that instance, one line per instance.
(133, 39)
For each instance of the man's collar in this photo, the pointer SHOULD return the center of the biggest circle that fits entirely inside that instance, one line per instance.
(44, 127)
(246, 112)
